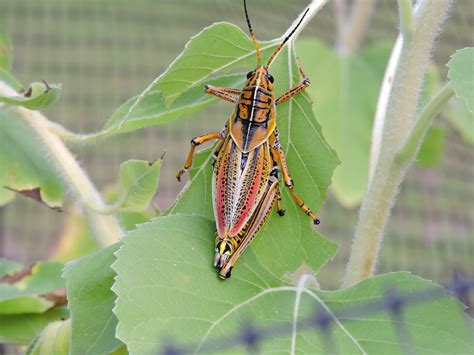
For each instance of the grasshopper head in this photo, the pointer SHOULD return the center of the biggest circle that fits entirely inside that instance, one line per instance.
(224, 249)
(260, 77)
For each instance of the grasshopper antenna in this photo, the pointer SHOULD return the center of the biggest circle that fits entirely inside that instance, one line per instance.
(278, 49)
(255, 43)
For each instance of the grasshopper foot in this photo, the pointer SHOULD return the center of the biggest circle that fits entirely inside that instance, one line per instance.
(179, 174)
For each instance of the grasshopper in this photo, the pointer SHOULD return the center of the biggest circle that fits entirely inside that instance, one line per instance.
(247, 160)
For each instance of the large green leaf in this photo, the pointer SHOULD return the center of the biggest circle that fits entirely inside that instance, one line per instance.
(311, 162)
(54, 339)
(29, 293)
(38, 95)
(89, 282)
(208, 58)
(24, 165)
(345, 91)
(168, 291)
(461, 75)
(22, 328)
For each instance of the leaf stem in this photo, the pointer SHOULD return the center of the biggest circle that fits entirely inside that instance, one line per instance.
(73, 176)
(425, 119)
(399, 120)
(406, 17)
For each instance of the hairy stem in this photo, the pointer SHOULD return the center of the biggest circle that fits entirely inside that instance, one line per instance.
(70, 171)
(412, 145)
(406, 17)
(355, 26)
(398, 122)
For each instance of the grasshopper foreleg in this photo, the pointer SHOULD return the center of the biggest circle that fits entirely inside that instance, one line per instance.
(194, 143)
(303, 84)
(229, 95)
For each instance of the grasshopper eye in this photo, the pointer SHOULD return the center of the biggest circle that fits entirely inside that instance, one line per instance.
(270, 78)
(249, 74)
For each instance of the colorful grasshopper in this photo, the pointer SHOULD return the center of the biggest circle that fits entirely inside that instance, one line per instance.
(246, 160)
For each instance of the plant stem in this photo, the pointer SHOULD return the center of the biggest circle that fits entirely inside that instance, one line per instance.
(397, 125)
(412, 145)
(406, 17)
(69, 169)
(354, 27)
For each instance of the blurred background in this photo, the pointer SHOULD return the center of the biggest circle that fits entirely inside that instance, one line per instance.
(105, 51)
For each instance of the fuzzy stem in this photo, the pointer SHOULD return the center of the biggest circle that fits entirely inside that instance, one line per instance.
(72, 174)
(353, 32)
(406, 17)
(398, 123)
(381, 112)
(425, 119)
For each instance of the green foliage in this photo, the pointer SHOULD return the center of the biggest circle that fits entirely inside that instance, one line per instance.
(461, 75)
(166, 283)
(38, 95)
(27, 295)
(207, 59)
(27, 298)
(22, 328)
(89, 282)
(54, 339)
(138, 184)
(345, 109)
(25, 166)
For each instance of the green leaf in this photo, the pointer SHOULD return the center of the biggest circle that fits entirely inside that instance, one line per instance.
(150, 109)
(54, 339)
(461, 75)
(168, 290)
(89, 282)
(38, 95)
(29, 293)
(345, 91)
(9, 267)
(431, 151)
(311, 162)
(22, 328)
(138, 183)
(5, 52)
(25, 165)
(208, 58)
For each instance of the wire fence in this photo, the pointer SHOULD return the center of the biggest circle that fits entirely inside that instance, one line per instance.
(103, 52)
(394, 302)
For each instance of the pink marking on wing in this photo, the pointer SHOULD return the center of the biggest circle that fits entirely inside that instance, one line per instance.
(220, 207)
(250, 200)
